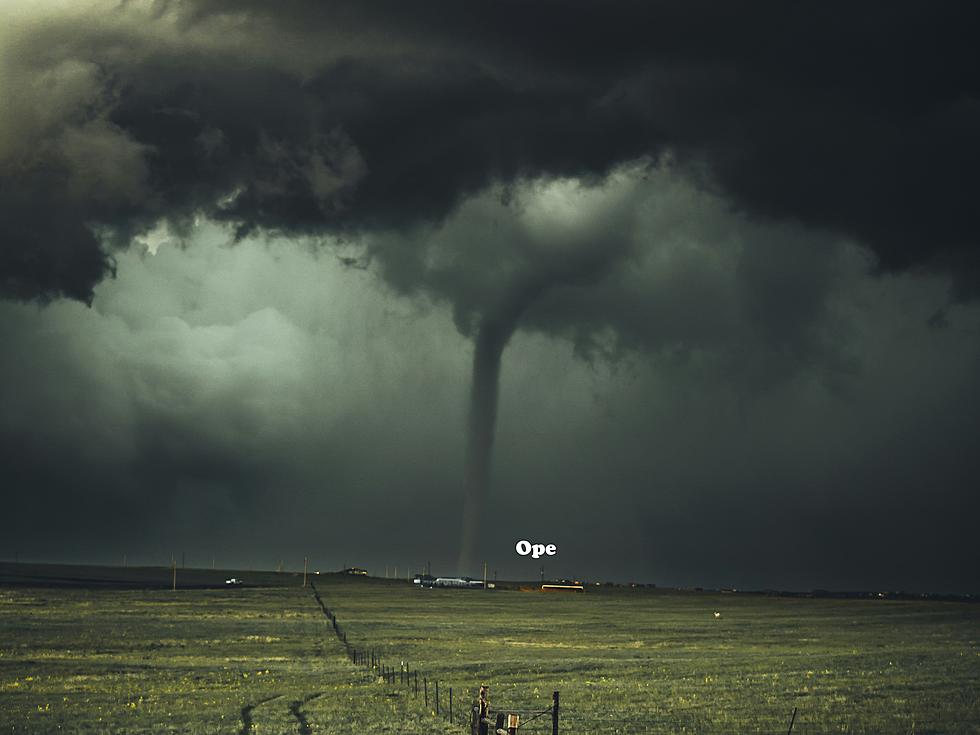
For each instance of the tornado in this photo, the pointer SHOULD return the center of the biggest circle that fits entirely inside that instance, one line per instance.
(492, 335)
(488, 350)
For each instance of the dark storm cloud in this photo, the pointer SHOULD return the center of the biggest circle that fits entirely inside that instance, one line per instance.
(215, 397)
(350, 116)
(258, 402)
(694, 192)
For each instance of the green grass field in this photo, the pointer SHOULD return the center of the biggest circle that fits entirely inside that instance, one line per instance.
(265, 660)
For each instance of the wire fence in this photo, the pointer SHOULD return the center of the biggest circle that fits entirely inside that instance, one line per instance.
(455, 706)
(444, 701)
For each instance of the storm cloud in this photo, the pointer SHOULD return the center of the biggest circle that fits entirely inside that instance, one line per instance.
(249, 256)
(348, 116)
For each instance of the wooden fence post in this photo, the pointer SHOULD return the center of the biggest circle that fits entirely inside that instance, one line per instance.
(425, 685)
(416, 682)
(450, 705)
(554, 715)
(437, 696)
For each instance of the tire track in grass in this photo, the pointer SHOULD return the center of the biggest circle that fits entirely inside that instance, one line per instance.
(247, 724)
(300, 715)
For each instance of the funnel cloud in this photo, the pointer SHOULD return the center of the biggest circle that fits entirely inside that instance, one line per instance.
(682, 272)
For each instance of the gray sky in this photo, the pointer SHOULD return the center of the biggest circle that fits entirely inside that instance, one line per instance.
(245, 257)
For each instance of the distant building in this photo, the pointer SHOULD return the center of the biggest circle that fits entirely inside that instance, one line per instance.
(356, 570)
(454, 582)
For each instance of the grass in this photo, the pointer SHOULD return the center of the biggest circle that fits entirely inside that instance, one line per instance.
(647, 662)
(265, 660)
(198, 661)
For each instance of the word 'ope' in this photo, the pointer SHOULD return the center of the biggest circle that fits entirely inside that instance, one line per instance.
(535, 550)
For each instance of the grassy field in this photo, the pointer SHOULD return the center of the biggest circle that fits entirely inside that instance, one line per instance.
(192, 661)
(265, 660)
(652, 662)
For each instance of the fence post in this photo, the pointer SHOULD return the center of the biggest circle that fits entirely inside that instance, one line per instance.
(554, 715)
(416, 682)
(437, 696)
(450, 705)
(425, 685)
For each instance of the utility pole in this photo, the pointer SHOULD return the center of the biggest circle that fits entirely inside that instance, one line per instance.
(173, 569)
(484, 575)
(306, 560)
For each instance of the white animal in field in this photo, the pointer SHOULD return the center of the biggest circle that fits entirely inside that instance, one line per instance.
(717, 614)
